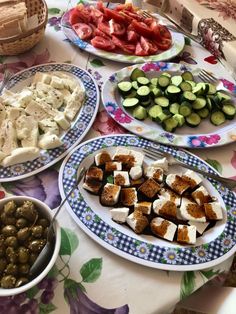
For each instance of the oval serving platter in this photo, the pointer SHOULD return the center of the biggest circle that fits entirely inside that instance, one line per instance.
(205, 135)
(79, 127)
(216, 244)
(176, 48)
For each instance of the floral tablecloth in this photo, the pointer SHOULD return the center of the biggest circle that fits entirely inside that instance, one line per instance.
(87, 278)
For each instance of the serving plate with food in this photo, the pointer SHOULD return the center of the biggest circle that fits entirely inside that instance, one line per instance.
(145, 210)
(168, 103)
(120, 34)
(45, 111)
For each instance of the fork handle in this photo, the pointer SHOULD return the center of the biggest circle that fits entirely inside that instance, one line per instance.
(229, 183)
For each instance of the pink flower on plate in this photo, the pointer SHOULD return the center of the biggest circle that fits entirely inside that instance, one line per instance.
(104, 124)
(212, 139)
(121, 116)
(150, 67)
(229, 85)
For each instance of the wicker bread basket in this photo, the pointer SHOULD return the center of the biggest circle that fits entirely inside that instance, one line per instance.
(20, 43)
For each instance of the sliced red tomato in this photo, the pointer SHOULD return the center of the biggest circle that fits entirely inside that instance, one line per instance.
(139, 51)
(116, 28)
(126, 6)
(83, 13)
(142, 29)
(134, 15)
(132, 36)
(104, 27)
(84, 31)
(148, 45)
(73, 17)
(163, 44)
(164, 32)
(98, 32)
(96, 15)
(103, 43)
(123, 45)
(100, 6)
(156, 30)
(93, 28)
(112, 14)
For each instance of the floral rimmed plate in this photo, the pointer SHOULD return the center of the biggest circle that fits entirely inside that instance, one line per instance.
(205, 135)
(176, 48)
(216, 245)
(79, 127)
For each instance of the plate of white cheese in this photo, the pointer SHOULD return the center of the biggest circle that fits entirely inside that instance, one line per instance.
(44, 112)
(147, 211)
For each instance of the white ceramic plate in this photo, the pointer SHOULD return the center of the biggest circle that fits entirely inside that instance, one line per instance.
(216, 245)
(177, 46)
(79, 127)
(205, 135)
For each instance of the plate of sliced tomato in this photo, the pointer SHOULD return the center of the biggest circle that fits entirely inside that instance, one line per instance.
(120, 34)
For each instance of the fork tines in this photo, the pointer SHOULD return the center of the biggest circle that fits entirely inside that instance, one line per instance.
(204, 75)
(149, 152)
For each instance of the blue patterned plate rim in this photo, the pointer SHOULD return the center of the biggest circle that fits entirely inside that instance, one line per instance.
(71, 137)
(143, 252)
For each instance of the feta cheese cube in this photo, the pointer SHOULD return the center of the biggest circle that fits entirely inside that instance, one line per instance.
(155, 173)
(161, 163)
(192, 178)
(149, 188)
(111, 166)
(170, 196)
(119, 214)
(61, 120)
(94, 173)
(213, 211)
(137, 157)
(137, 221)
(92, 186)
(186, 234)
(192, 211)
(129, 196)
(49, 141)
(56, 82)
(20, 155)
(144, 207)
(200, 226)
(163, 228)
(102, 158)
(110, 194)
(176, 183)
(136, 172)
(121, 178)
(201, 195)
(165, 208)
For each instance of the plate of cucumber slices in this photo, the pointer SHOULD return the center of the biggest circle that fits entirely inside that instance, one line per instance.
(168, 103)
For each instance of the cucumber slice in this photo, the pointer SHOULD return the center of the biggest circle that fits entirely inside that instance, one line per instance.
(143, 93)
(229, 111)
(143, 81)
(209, 103)
(217, 118)
(199, 103)
(203, 113)
(166, 74)
(192, 83)
(132, 94)
(163, 116)
(163, 81)
(137, 73)
(135, 85)
(130, 102)
(156, 92)
(193, 120)
(124, 87)
(212, 89)
(187, 76)
(174, 108)
(154, 111)
(186, 86)
(154, 81)
(140, 113)
(185, 109)
(176, 80)
(222, 96)
(179, 118)
(189, 96)
(172, 90)
(146, 103)
(170, 124)
(162, 101)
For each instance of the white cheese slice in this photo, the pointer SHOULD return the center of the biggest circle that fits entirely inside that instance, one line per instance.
(136, 172)
(121, 151)
(49, 126)
(121, 178)
(49, 141)
(200, 226)
(26, 96)
(57, 82)
(187, 234)
(14, 113)
(185, 211)
(213, 211)
(170, 196)
(193, 176)
(175, 182)
(20, 155)
(158, 204)
(161, 163)
(27, 131)
(138, 157)
(119, 214)
(154, 172)
(159, 224)
(2, 113)
(8, 139)
(74, 103)
(199, 194)
(36, 111)
(70, 84)
(62, 121)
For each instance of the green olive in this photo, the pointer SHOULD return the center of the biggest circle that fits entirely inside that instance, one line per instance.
(8, 220)
(3, 264)
(9, 230)
(10, 208)
(43, 222)
(21, 223)
(8, 282)
(2, 247)
(11, 241)
(23, 234)
(11, 255)
(37, 245)
(21, 281)
(24, 269)
(23, 255)
(32, 258)
(37, 231)
(11, 269)
(27, 211)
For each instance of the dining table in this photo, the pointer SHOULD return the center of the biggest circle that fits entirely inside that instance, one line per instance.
(88, 278)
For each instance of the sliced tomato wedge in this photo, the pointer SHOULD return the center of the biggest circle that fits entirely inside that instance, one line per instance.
(104, 27)
(139, 51)
(83, 13)
(100, 6)
(134, 15)
(163, 44)
(74, 16)
(84, 31)
(164, 32)
(148, 45)
(103, 43)
(116, 28)
(123, 45)
(142, 29)
(98, 32)
(132, 36)
(111, 14)
(93, 28)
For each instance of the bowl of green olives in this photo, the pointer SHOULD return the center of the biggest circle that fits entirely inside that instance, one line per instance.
(24, 223)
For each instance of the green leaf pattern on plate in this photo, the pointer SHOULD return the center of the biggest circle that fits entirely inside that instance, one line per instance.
(69, 242)
(215, 164)
(91, 270)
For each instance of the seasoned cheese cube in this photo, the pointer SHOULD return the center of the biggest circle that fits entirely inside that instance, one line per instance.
(35, 110)
(213, 211)
(92, 186)
(144, 207)
(102, 158)
(149, 188)
(26, 96)
(192, 211)
(21, 154)
(110, 194)
(3, 113)
(27, 131)
(94, 173)
(74, 103)
(192, 178)
(61, 120)
(49, 126)
(176, 183)
(49, 141)
(56, 82)
(201, 196)
(137, 221)
(122, 155)
(155, 173)
(121, 151)
(136, 157)
(54, 98)
(14, 113)
(163, 228)
(111, 166)
(119, 214)
(161, 163)
(170, 196)
(8, 139)
(200, 226)
(129, 196)
(165, 208)
(186, 234)
(136, 172)
(121, 178)
(70, 84)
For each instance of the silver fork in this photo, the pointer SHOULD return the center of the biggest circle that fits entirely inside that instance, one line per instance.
(173, 27)
(6, 77)
(210, 78)
(154, 154)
